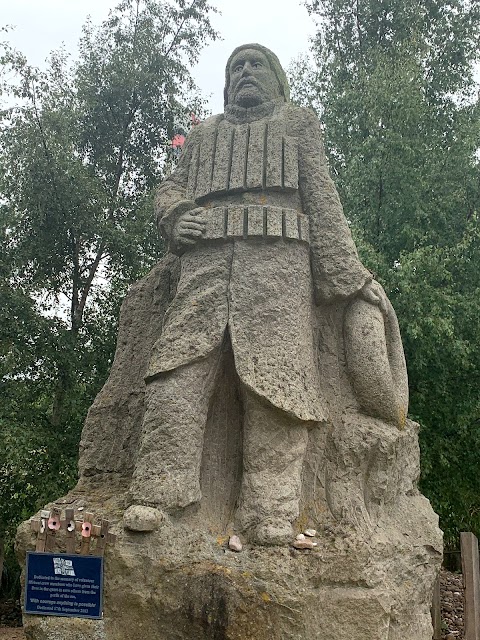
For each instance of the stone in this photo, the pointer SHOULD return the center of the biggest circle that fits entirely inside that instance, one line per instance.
(235, 544)
(258, 386)
(304, 543)
(140, 518)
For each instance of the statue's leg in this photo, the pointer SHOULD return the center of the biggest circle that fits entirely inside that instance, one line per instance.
(167, 470)
(274, 449)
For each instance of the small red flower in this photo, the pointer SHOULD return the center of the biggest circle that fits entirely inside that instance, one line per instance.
(178, 141)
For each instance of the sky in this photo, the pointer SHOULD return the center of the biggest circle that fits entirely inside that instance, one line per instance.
(282, 25)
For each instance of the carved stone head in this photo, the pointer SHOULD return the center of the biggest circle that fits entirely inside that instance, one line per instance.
(253, 76)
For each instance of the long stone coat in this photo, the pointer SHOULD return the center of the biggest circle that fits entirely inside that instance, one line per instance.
(276, 243)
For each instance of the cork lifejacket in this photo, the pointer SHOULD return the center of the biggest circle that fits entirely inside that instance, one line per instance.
(235, 158)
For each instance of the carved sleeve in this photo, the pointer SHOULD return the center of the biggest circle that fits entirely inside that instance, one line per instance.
(172, 190)
(336, 267)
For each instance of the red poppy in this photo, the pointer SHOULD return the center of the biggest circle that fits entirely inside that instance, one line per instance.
(178, 141)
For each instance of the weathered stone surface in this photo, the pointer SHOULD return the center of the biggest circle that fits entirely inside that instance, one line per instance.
(181, 582)
(73, 629)
(275, 403)
(140, 518)
(113, 426)
(304, 543)
(375, 361)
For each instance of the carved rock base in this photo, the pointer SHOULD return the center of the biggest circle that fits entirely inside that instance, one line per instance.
(183, 583)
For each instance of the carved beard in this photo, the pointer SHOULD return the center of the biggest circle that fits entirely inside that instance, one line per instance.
(252, 92)
(250, 95)
(241, 115)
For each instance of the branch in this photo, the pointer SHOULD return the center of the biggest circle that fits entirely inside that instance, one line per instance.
(129, 118)
(76, 280)
(78, 319)
(357, 22)
(46, 150)
(180, 27)
(379, 208)
(359, 32)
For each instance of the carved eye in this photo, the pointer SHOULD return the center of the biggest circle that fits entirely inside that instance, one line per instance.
(257, 65)
(238, 68)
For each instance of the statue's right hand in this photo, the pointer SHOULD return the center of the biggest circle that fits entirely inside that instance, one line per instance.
(190, 227)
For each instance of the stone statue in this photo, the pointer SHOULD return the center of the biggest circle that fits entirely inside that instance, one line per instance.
(262, 237)
(258, 390)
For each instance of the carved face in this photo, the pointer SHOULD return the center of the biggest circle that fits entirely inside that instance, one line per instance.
(252, 81)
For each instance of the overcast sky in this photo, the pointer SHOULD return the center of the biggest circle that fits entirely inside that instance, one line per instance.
(282, 25)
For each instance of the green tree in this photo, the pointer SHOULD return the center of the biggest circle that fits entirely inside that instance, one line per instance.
(80, 153)
(394, 82)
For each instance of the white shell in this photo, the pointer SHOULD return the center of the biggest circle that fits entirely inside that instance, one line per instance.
(311, 533)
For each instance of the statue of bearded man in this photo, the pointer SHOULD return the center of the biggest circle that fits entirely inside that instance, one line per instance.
(262, 239)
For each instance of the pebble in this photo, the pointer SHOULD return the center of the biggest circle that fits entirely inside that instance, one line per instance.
(311, 533)
(300, 537)
(234, 543)
(140, 518)
(304, 544)
(451, 588)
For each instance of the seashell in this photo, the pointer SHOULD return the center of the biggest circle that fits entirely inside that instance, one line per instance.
(311, 533)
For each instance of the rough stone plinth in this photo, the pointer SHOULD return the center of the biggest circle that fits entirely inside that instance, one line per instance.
(182, 583)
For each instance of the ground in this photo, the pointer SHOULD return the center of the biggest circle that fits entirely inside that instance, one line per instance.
(451, 590)
(11, 633)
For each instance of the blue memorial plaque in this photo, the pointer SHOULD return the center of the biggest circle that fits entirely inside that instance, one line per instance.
(58, 584)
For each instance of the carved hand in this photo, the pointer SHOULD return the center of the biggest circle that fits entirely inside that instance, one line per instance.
(190, 227)
(373, 292)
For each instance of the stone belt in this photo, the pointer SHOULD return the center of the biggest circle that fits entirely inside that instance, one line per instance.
(236, 221)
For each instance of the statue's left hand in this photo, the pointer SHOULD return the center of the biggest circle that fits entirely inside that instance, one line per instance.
(373, 292)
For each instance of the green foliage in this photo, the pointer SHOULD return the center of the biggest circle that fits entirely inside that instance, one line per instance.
(393, 81)
(81, 150)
